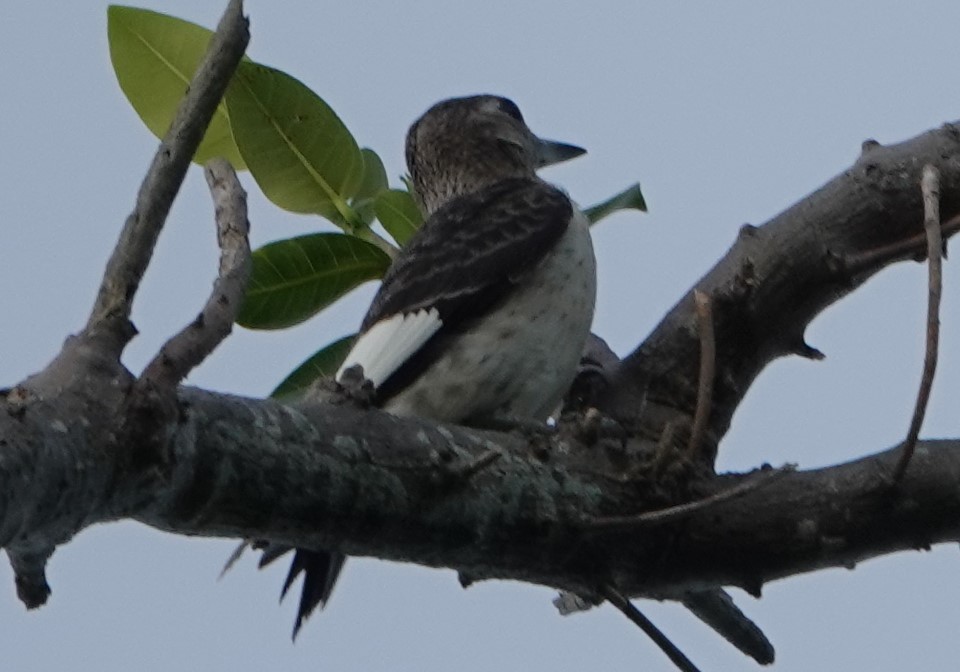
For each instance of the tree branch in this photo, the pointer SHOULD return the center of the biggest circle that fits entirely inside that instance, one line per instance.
(134, 249)
(777, 277)
(196, 341)
(81, 445)
(930, 187)
(366, 483)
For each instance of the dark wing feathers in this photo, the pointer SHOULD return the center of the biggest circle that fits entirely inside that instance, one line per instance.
(465, 260)
(471, 251)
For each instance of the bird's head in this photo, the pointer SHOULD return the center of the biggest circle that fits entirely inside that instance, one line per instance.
(462, 145)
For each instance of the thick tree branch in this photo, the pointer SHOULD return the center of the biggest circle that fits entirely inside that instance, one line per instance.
(779, 276)
(372, 484)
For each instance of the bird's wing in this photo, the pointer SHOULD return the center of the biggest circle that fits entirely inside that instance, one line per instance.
(461, 264)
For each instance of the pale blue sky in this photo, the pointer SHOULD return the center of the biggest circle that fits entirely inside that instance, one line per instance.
(725, 112)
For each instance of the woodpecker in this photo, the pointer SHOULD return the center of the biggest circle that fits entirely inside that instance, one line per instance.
(484, 314)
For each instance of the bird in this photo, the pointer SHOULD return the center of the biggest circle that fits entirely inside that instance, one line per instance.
(483, 315)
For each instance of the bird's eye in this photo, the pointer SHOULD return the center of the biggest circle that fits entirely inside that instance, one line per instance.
(510, 108)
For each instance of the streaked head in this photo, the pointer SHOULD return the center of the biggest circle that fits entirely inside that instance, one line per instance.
(461, 145)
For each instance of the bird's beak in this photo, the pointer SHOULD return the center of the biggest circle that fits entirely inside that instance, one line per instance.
(550, 152)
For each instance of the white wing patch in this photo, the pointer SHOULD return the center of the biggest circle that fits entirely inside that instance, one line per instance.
(384, 347)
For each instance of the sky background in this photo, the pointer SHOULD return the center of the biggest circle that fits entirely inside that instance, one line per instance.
(725, 112)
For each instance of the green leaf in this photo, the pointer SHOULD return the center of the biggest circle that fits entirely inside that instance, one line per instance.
(323, 363)
(628, 199)
(374, 181)
(399, 214)
(154, 56)
(296, 278)
(299, 152)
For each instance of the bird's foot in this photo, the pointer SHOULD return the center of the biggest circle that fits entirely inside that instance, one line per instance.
(351, 389)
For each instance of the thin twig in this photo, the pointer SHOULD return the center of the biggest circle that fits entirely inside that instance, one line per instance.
(130, 257)
(676, 656)
(708, 363)
(902, 249)
(930, 185)
(470, 468)
(196, 341)
(674, 513)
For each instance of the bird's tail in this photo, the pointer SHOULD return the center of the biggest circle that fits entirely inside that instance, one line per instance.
(320, 570)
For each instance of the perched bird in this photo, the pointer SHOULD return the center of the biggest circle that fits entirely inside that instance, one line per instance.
(483, 315)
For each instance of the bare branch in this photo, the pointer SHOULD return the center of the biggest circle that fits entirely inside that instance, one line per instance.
(777, 277)
(897, 251)
(930, 186)
(197, 340)
(680, 511)
(130, 257)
